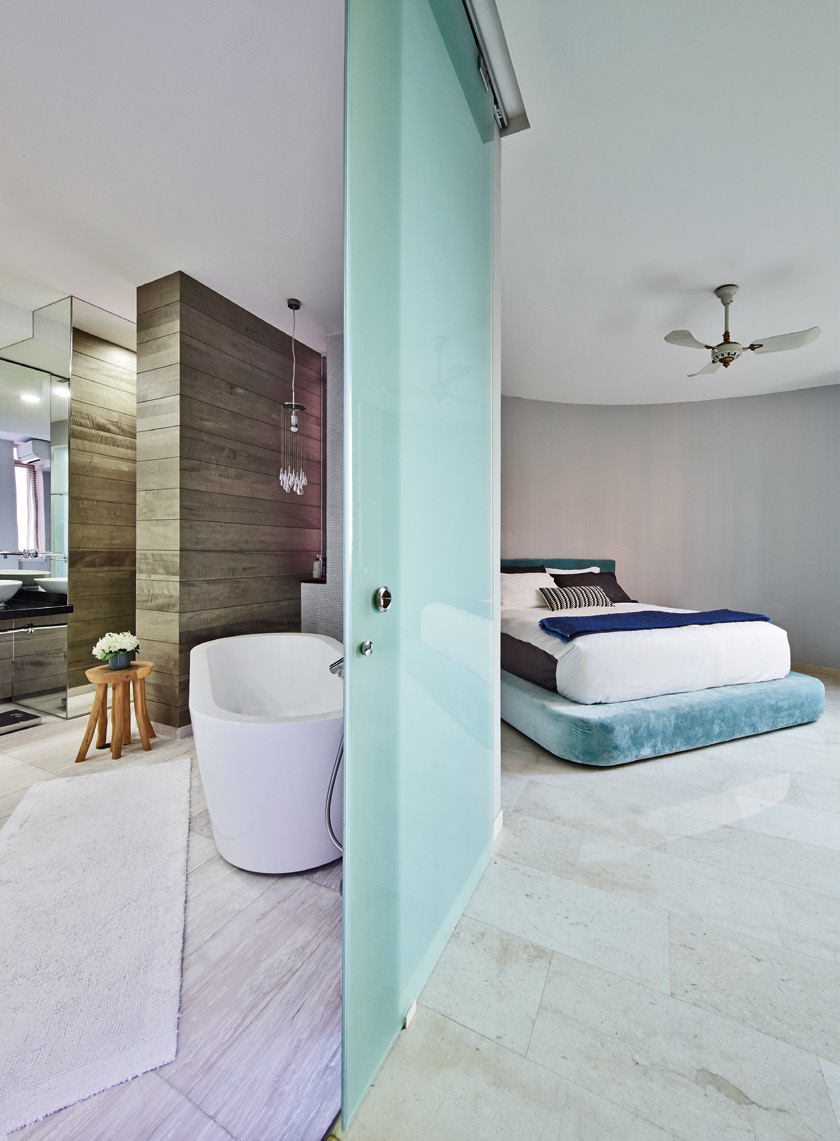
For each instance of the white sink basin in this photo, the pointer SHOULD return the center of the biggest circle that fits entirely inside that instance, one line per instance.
(8, 587)
(53, 585)
(25, 577)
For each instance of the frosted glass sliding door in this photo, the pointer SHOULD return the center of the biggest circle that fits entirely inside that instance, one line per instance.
(418, 512)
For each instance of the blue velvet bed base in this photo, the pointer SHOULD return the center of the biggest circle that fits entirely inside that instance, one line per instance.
(653, 726)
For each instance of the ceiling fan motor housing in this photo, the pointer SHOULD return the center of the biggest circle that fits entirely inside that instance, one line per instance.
(727, 352)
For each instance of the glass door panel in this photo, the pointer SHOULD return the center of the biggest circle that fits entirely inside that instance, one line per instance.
(418, 512)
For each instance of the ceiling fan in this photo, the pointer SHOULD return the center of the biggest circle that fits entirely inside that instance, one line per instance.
(728, 350)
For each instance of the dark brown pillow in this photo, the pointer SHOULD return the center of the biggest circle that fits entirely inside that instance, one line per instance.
(523, 570)
(605, 579)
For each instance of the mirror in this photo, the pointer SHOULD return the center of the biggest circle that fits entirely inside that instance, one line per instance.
(34, 511)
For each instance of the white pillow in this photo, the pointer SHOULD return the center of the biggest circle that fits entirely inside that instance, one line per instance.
(521, 591)
(568, 570)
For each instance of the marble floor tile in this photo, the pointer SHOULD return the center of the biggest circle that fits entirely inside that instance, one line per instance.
(199, 851)
(691, 1072)
(805, 825)
(489, 981)
(725, 897)
(538, 843)
(584, 1116)
(617, 934)
(831, 1073)
(443, 1082)
(598, 812)
(512, 787)
(807, 922)
(771, 858)
(772, 989)
(216, 893)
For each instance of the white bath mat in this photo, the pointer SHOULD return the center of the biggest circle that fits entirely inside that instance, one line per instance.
(92, 887)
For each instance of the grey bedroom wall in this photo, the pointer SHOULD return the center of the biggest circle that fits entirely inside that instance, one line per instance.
(705, 504)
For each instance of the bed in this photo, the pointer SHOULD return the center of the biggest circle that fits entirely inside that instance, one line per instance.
(609, 698)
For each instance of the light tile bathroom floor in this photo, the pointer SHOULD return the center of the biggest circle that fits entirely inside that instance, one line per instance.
(259, 1049)
(653, 954)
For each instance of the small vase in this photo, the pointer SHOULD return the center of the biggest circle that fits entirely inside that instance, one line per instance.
(120, 661)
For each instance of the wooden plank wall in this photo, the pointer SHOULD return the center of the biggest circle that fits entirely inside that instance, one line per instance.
(221, 547)
(101, 566)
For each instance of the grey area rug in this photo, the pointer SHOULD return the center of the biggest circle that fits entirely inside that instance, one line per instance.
(92, 890)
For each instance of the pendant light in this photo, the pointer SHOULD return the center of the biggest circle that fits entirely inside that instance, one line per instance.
(292, 476)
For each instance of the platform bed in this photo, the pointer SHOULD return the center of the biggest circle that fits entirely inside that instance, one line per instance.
(654, 726)
(617, 732)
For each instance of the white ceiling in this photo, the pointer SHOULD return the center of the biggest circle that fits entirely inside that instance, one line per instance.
(202, 135)
(674, 145)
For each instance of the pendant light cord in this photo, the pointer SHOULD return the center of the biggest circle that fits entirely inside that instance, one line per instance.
(294, 315)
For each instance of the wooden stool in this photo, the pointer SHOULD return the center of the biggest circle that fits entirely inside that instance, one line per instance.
(102, 677)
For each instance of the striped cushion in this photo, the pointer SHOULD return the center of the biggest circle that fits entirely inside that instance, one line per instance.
(573, 597)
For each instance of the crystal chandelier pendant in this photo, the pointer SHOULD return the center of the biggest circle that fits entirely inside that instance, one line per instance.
(292, 476)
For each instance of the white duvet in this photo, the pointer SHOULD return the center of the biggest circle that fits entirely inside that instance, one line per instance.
(628, 664)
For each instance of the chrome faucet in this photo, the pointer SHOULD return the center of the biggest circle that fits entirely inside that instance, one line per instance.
(337, 667)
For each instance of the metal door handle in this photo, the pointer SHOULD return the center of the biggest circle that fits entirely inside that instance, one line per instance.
(382, 599)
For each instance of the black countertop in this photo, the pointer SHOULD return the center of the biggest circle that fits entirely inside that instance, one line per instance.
(34, 604)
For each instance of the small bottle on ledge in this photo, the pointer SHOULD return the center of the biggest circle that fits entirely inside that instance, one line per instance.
(318, 568)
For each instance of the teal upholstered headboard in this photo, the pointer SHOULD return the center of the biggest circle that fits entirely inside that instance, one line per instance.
(562, 564)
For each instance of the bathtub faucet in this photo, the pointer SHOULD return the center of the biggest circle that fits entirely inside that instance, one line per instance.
(337, 668)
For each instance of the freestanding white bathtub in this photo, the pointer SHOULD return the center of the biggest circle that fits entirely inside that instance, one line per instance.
(267, 718)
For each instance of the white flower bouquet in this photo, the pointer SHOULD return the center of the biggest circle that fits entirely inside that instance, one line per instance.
(111, 644)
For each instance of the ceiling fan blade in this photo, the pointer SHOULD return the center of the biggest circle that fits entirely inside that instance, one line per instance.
(712, 366)
(684, 338)
(786, 341)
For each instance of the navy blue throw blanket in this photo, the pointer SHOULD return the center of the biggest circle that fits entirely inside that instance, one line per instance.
(568, 628)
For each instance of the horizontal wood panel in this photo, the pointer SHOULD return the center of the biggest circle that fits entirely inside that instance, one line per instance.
(203, 357)
(100, 372)
(103, 443)
(153, 294)
(201, 447)
(89, 345)
(215, 479)
(164, 503)
(240, 564)
(158, 534)
(88, 535)
(226, 341)
(98, 582)
(164, 412)
(102, 420)
(158, 626)
(157, 382)
(166, 564)
(238, 419)
(215, 594)
(255, 618)
(159, 594)
(98, 395)
(89, 632)
(166, 656)
(152, 474)
(85, 462)
(167, 688)
(82, 559)
(159, 353)
(244, 537)
(105, 490)
(158, 322)
(214, 305)
(280, 509)
(105, 606)
(158, 444)
(95, 511)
